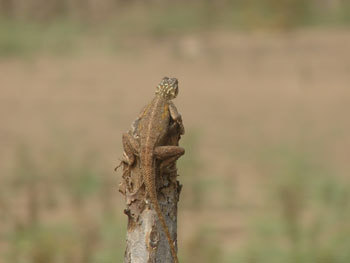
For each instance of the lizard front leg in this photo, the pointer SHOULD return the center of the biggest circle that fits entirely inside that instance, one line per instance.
(168, 155)
(175, 115)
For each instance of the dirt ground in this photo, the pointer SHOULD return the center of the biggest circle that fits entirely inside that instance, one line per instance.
(242, 95)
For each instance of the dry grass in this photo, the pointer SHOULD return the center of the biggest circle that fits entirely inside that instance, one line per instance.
(261, 112)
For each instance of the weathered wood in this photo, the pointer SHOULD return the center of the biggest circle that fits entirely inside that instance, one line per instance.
(146, 240)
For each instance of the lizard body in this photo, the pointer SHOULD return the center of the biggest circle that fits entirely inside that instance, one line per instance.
(146, 140)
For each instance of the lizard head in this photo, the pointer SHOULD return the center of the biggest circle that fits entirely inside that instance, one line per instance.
(168, 88)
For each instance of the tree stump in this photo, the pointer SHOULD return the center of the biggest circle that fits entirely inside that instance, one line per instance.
(146, 240)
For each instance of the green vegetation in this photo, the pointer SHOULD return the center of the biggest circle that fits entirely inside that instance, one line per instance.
(306, 215)
(67, 27)
(60, 213)
(203, 247)
(302, 217)
(47, 212)
(25, 37)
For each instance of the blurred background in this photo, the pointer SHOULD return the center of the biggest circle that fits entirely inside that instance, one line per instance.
(265, 99)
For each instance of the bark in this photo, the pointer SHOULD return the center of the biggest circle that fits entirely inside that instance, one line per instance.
(146, 240)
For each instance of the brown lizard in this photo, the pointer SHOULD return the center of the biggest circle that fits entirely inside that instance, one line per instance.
(147, 138)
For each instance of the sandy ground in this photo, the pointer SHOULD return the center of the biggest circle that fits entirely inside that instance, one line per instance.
(241, 95)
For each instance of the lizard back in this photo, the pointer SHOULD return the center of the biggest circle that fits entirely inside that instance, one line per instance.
(153, 127)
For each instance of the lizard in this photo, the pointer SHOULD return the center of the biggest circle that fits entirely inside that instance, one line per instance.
(146, 140)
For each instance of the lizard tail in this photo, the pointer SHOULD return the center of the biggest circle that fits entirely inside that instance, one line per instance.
(150, 183)
(164, 225)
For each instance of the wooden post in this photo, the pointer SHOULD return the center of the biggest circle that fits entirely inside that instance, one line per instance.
(146, 240)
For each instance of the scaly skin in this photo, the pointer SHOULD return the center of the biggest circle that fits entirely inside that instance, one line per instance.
(150, 131)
